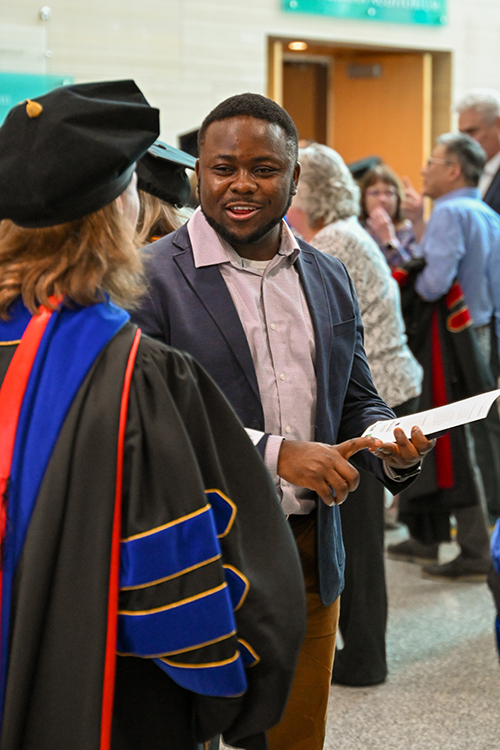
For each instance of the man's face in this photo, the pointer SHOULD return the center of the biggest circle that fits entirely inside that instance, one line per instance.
(440, 173)
(246, 182)
(487, 135)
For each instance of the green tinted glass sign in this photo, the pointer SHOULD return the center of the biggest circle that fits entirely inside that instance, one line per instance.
(16, 87)
(431, 12)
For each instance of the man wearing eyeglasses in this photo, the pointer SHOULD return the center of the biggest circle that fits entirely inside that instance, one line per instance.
(461, 243)
(462, 231)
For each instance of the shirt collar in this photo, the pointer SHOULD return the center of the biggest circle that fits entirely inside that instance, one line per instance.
(209, 249)
(465, 192)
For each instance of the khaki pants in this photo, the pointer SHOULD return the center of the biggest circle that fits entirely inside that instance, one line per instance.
(303, 725)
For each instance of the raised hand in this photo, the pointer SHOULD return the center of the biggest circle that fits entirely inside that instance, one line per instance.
(412, 205)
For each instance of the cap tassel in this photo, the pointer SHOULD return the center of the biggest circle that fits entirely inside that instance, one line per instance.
(33, 109)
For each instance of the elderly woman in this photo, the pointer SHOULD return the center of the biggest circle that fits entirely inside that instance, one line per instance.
(324, 211)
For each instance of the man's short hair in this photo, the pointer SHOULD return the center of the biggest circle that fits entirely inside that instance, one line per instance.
(258, 106)
(486, 102)
(468, 153)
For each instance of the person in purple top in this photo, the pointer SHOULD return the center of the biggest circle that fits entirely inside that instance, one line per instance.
(382, 198)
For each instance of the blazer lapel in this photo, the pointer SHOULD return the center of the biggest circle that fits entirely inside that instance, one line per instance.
(211, 289)
(319, 308)
(493, 187)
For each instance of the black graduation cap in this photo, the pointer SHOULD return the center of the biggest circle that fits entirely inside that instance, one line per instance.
(360, 167)
(189, 142)
(162, 172)
(72, 151)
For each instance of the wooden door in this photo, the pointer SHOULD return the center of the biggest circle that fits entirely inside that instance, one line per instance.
(305, 98)
(381, 106)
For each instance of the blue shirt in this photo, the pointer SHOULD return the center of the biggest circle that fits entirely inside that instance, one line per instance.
(462, 241)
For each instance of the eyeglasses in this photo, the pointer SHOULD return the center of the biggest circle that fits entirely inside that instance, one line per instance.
(379, 193)
(443, 162)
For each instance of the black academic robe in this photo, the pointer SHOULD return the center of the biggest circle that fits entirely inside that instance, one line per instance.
(441, 337)
(182, 440)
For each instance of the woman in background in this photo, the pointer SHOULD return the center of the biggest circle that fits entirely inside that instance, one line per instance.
(382, 196)
(324, 211)
(164, 189)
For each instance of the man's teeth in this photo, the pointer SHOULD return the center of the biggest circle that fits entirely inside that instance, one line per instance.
(242, 208)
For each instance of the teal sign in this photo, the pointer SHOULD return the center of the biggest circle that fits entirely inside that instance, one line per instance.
(430, 12)
(16, 87)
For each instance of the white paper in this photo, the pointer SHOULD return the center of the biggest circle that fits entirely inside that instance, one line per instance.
(436, 420)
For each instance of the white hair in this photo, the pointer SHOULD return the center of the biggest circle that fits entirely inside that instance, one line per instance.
(486, 102)
(326, 189)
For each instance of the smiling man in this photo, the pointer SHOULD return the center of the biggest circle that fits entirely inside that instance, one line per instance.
(276, 323)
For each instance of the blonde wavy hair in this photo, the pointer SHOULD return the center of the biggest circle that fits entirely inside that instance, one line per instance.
(158, 218)
(81, 260)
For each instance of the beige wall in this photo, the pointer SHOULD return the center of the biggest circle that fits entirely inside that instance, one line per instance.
(187, 55)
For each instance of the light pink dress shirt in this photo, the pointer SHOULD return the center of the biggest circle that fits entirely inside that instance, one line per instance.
(270, 302)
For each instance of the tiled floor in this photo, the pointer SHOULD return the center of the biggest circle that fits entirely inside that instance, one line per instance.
(443, 690)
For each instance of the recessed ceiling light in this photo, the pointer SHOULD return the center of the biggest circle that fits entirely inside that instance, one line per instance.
(298, 46)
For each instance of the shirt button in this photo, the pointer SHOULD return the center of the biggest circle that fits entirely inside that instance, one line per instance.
(273, 326)
(288, 429)
(282, 376)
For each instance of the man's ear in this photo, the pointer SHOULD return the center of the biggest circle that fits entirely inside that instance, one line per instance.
(296, 175)
(456, 172)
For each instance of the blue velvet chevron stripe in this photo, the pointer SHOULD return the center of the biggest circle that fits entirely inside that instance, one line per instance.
(495, 547)
(248, 655)
(169, 551)
(69, 347)
(177, 627)
(495, 557)
(222, 680)
(224, 511)
(238, 585)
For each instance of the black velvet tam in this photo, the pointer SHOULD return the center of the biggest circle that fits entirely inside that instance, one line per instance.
(72, 151)
(162, 172)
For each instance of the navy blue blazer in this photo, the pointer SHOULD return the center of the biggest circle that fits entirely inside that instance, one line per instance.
(191, 309)
(492, 195)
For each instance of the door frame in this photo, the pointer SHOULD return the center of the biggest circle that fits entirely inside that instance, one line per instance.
(440, 98)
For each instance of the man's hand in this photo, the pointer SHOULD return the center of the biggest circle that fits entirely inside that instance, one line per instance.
(325, 469)
(404, 453)
(412, 206)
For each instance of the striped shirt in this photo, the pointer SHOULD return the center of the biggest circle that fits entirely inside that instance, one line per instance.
(271, 304)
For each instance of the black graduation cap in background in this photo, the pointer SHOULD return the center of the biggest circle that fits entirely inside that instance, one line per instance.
(72, 151)
(188, 142)
(162, 172)
(360, 167)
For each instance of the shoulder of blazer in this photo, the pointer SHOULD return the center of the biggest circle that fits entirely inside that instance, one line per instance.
(325, 263)
(492, 195)
(167, 247)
